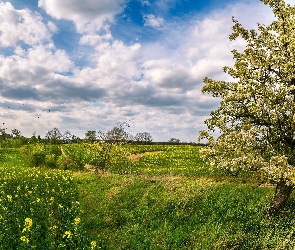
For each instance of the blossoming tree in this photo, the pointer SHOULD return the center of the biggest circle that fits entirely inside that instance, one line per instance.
(256, 115)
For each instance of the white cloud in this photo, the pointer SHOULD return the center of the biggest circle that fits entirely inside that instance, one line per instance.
(145, 2)
(95, 40)
(153, 21)
(115, 63)
(28, 73)
(167, 74)
(88, 15)
(292, 2)
(21, 25)
(52, 27)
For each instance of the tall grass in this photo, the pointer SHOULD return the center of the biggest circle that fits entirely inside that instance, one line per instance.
(39, 208)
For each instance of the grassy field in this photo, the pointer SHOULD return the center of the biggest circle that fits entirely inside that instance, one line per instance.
(165, 199)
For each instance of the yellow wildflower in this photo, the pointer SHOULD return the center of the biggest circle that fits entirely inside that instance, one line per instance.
(28, 222)
(24, 239)
(93, 244)
(53, 227)
(77, 220)
(67, 234)
(9, 197)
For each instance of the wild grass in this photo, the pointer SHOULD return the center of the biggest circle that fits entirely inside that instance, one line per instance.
(171, 200)
(166, 200)
(39, 208)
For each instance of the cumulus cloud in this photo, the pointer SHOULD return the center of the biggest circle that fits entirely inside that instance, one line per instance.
(21, 25)
(88, 15)
(145, 2)
(168, 74)
(153, 21)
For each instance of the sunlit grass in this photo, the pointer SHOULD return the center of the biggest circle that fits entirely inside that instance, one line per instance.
(39, 208)
(167, 200)
(135, 212)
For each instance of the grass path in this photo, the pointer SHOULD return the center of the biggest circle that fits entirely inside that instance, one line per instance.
(136, 157)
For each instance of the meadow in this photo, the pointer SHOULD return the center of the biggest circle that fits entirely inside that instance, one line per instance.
(149, 197)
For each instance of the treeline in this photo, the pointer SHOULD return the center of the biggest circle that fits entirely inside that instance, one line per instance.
(54, 136)
(117, 134)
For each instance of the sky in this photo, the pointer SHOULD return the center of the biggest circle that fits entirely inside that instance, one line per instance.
(87, 65)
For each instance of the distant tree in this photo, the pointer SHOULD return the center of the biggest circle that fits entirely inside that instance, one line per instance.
(143, 137)
(90, 136)
(116, 134)
(76, 139)
(108, 140)
(54, 136)
(67, 137)
(33, 138)
(130, 137)
(3, 134)
(256, 114)
(16, 134)
(174, 140)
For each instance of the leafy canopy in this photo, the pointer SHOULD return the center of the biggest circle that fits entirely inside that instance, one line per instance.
(256, 116)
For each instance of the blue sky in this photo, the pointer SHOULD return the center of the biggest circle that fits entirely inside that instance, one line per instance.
(94, 63)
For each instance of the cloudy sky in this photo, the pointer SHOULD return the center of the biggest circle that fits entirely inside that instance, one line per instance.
(86, 65)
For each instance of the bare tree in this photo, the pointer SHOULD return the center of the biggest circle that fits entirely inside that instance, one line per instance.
(67, 137)
(143, 137)
(90, 136)
(16, 133)
(54, 136)
(174, 140)
(108, 140)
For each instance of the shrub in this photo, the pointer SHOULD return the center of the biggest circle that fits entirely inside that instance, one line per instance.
(40, 154)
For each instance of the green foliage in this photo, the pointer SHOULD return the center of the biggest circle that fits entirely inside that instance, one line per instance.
(74, 157)
(160, 160)
(255, 117)
(13, 143)
(39, 154)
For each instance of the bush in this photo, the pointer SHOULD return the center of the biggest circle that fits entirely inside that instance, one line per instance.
(74, 157)
(40, 154)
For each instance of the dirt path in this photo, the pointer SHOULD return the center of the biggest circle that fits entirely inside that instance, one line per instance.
(136, 157)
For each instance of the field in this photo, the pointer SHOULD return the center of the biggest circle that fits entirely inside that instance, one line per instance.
(149, 197)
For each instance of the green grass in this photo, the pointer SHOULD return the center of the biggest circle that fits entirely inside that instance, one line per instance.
(39, 208)
(171, 200)
(132, 212)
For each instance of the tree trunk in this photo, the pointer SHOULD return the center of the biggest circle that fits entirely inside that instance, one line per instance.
(282, 194)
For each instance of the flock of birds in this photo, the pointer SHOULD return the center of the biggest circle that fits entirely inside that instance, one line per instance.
(37, 117)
